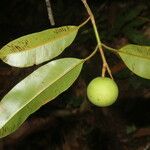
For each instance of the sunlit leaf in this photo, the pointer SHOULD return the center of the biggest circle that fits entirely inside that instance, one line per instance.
(38, 47)
(137, 59)
(40, 87)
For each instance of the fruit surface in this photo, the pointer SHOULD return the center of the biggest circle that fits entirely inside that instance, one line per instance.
(102, 91)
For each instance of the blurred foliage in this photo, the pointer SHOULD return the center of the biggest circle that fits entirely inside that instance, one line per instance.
(115, 19)
(128, 21)
(131, 129)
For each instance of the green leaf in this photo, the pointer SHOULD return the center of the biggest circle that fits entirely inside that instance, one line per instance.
(40, 87)
(38, 47)
(137, 59)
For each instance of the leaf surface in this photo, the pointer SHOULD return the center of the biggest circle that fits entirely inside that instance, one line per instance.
(38, 47)
(40, 87)
(137, 59)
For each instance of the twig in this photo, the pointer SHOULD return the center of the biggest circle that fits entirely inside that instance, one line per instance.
(142, 132)
(92, 54)
(82, 24)
(105, 65)
(124, 52)
(50, 13)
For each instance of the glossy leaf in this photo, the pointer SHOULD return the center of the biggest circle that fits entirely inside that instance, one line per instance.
(38, 47)
(40, 87)
(137, 59)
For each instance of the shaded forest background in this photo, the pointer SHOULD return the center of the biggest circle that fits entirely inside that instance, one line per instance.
(70, 122)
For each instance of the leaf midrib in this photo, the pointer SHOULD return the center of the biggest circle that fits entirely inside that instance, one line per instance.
(45, 43)
(81, 60)
(130, 54)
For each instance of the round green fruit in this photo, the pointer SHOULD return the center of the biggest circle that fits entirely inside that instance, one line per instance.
(102, 91)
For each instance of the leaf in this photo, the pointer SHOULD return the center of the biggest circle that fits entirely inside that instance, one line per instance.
(38, 47)
(137, 59)
(40, 87)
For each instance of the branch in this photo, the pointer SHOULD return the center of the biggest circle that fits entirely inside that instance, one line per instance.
(105, 65)
(50, 13)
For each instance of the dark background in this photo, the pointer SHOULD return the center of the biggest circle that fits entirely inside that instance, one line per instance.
(70, 122)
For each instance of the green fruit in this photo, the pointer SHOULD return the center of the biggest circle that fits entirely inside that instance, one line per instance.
(102, 91)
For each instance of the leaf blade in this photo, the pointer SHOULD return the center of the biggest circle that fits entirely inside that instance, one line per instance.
(40, 87)
(38, 47)
(137, 59)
